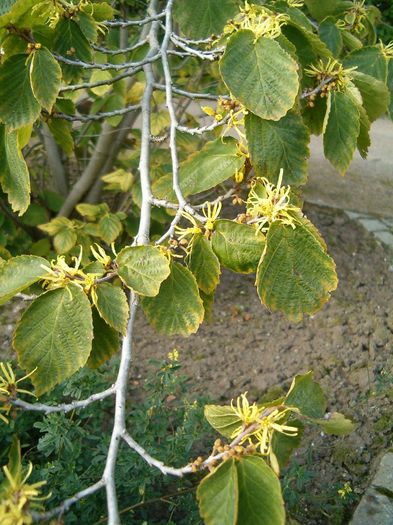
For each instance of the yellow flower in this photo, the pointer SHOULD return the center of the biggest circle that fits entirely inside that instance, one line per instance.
(9, 388)
(268, 203)
(259, 20)
(262, 422)
(18, 497)
(211, 212)
(332, 73)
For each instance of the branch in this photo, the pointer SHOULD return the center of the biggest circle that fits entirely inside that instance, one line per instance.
(318, 89)
(203, 55)
(89, 85)
(97, 116)
(121, 51)
(203, 129)
(129, 23)
(61, 509)
(107, 67)
(65, 407)
(189, 94)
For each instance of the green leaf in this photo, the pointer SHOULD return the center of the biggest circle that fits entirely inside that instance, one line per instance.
(178, 308)
(55, 336)
(223, 419)
(218, 494)
(216, 162)
(62, 133)
(260, 498)
(295, 275)
(70, 42)
(45, 77)
(369, 60)
(283, 445)
(143, 269)
(307, 396)
(18, 106)
(375, 95)
(19, 273)
(261, 75)
(342, 130)
(237, 246)
(110, 227)
(14, 174)
(308, 46)
(364, 140)
(202, 18)
(336, 424)
(315, 117)
(112, 305)
(331, 36)
(282, 144)
(106, 342)
(97, 76)
(322, 9)
(204, 264)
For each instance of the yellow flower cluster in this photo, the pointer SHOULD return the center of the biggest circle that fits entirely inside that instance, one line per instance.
(18, 497)
(258, 424)
(9, 389)
(268, 203)
(331, 75)
(260, 20)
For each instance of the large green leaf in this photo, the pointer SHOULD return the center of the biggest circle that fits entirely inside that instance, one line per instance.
(143, 269)
(216, 162)
(106, 342)
(237, 246)
(110, 227)
(202, 18)
(283, 444)
(45, 76)
(14, 174)
(295, 274)
(204, 264)
(19, 273)
(178, 308)
(308, 46)
(369, 60)
(282, 144)
(18, 106)
(260, 498)
(331, 36)
(223, 419)
(55, 336)
(112, 305)
(307, 396)
(320, 9)
(218, 495)
(342, 130)
(12, 10)
(375, 95)
(261, 75)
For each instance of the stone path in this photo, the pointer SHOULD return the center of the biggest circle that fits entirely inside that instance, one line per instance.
(366, 191)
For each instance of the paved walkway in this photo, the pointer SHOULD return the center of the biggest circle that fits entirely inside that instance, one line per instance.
(366, 191)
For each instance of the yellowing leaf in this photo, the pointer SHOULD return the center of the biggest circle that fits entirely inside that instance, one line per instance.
(204, 264)
(45, 77)
(238, 246)
(215, 163)
(54, 336)
(19, 273)
(295, 275)
(14, 174)
(261, 75)
(143, 269)
(112, 305)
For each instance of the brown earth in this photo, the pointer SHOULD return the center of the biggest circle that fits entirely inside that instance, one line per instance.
(348, 345)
